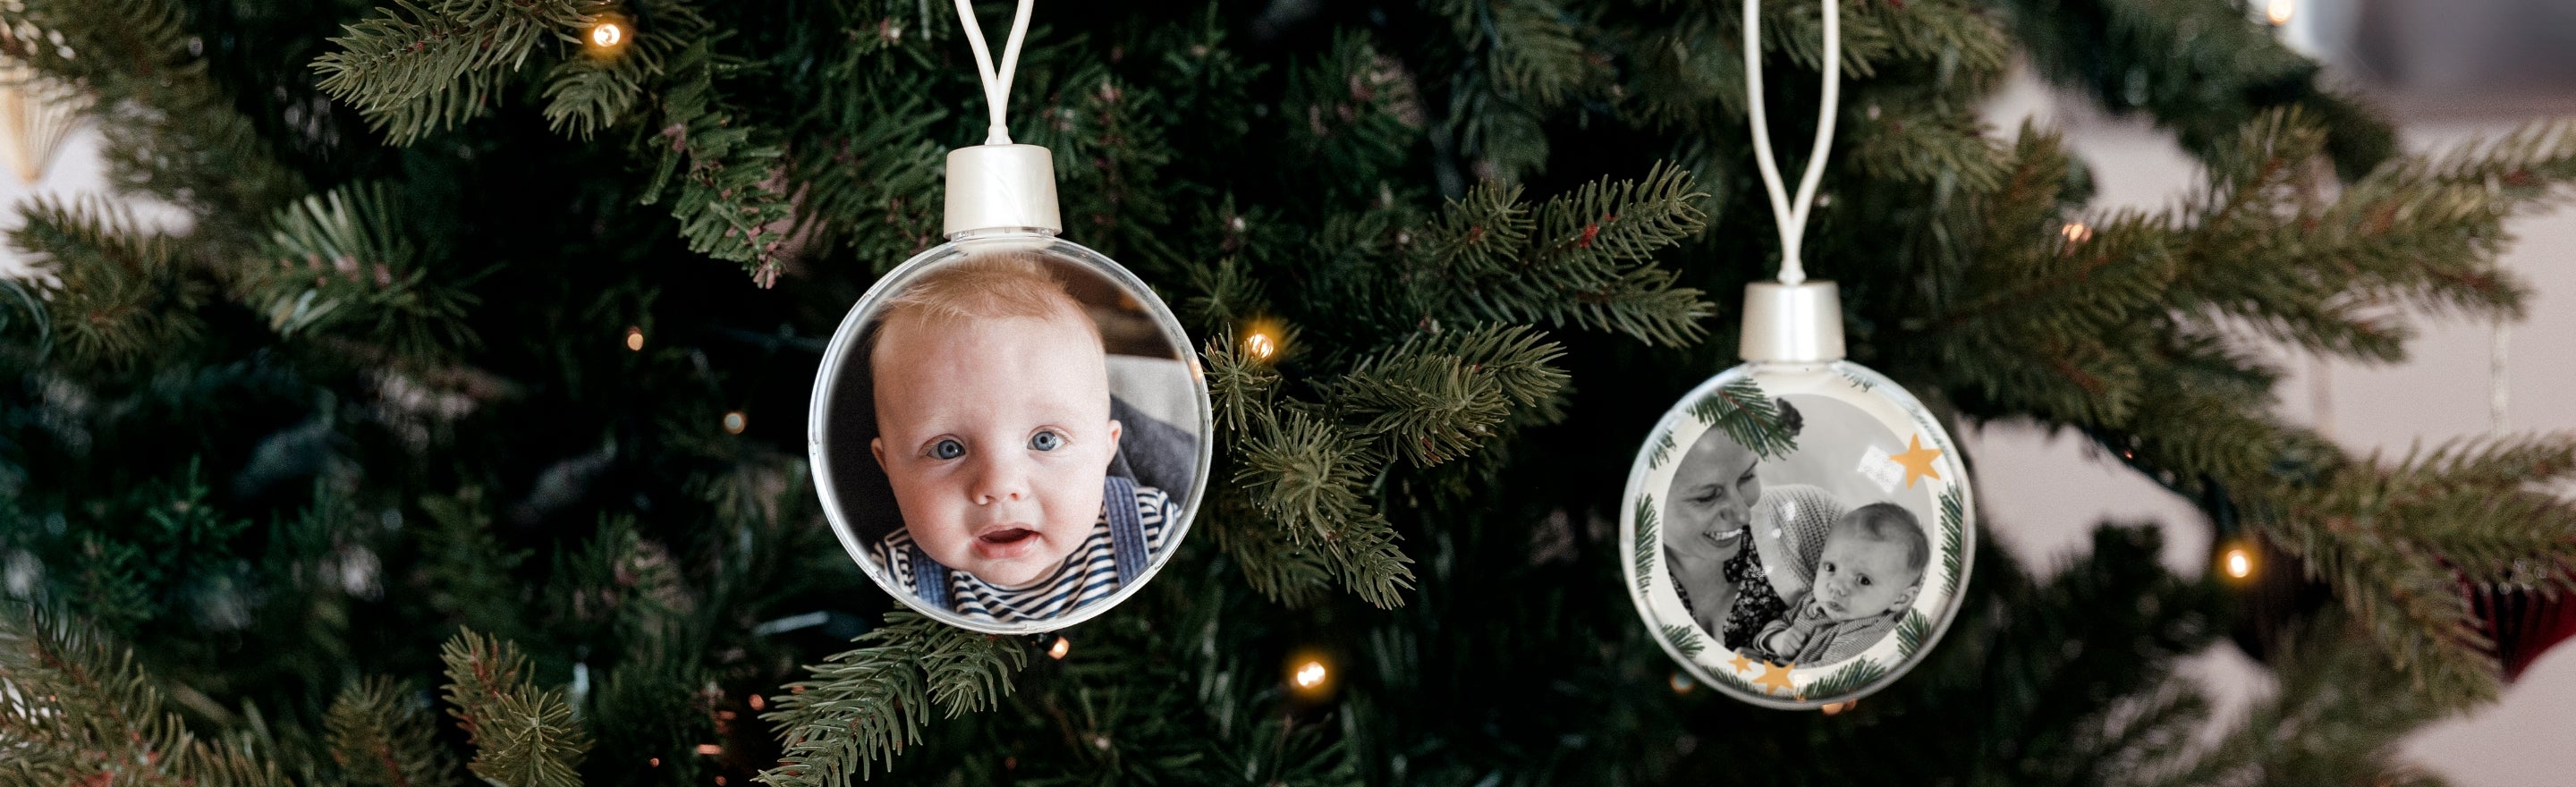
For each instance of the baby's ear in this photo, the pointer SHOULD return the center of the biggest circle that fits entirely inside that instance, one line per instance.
(876, 445)
(1115, 429)
(1906, 599)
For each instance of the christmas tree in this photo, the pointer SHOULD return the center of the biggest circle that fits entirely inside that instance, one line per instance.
(457, 434)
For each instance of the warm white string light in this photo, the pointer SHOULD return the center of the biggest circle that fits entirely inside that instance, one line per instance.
(997, 81)
(1792, 220)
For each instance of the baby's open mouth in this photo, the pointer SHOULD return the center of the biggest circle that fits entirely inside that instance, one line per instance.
(1007, 543)
(1011, 535)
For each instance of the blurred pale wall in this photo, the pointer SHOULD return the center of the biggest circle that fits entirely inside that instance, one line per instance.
(2042, 495)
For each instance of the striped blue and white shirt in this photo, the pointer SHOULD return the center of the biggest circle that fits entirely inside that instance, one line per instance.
(1089, 573)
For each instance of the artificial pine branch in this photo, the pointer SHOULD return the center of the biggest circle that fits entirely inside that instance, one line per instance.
(466, 563)
(1432, 399)
(732, 201)
(1241, 388)
(80, 710)
(171, 130)
(380, 737)
(1353, 113)
(1305, 474)
(522, 736)
(2338, 716)
(1116, 128)
(418, 69)
(867, 705)
(1532, 46)
(1275, 564)
(1929, 145)
(122, 290)
(1584, 258)
(2213, 70)
(23, 307)
(341, 262)
(2404, 546)
(870, 184)
(605, 86)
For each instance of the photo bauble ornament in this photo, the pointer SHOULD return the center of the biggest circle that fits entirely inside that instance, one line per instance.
(1010, 431)
(1800, 528)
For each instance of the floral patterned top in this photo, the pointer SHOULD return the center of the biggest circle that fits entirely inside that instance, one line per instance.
(1756, 604)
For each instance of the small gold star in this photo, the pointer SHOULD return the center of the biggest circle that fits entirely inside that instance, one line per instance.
(1917, 460)
(1738, 664)
(1775, 677)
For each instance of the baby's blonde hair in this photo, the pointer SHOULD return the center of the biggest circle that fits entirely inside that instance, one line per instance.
(988, 286)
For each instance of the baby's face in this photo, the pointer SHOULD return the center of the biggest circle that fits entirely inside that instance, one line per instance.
(996, 437)
(1861, 576)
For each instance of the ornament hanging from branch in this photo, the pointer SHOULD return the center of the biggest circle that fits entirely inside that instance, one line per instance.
(1801, 526)
(1009, 431)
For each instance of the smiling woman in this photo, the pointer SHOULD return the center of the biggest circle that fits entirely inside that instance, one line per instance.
(1708, 548)
(1004, 444)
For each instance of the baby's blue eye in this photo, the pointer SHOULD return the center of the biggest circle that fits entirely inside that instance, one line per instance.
(947, 448)
(1046, 441)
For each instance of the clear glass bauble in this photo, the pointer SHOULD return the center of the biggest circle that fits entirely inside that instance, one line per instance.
(1769, 546)
(1154, 374)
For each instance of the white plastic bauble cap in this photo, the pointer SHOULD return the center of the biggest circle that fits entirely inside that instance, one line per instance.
(1001, 187)
(1792, 323)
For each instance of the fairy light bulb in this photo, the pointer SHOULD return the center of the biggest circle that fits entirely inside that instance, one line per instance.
(734, 422)
(634, 338)
(2076, 232)
(1260, 345)
(2280, 11)
(1310, 675)
(2238, 562)
(1837, 708)
(607, 36)
(1062, 646)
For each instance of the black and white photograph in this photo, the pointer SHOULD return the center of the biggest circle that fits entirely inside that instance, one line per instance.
(1806, 558)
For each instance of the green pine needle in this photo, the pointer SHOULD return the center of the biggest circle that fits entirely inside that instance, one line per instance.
(84, 710)
(381, 737)
(522, 736)
(1685, 639)
(1749, 416)
(124, 294)
(1649, 545)
(1850, 678)
(422, 68)
(867, 705)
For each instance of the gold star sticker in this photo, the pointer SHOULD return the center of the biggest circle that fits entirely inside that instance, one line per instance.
(1775, 677)
(1917, 460)
(1738, 664)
